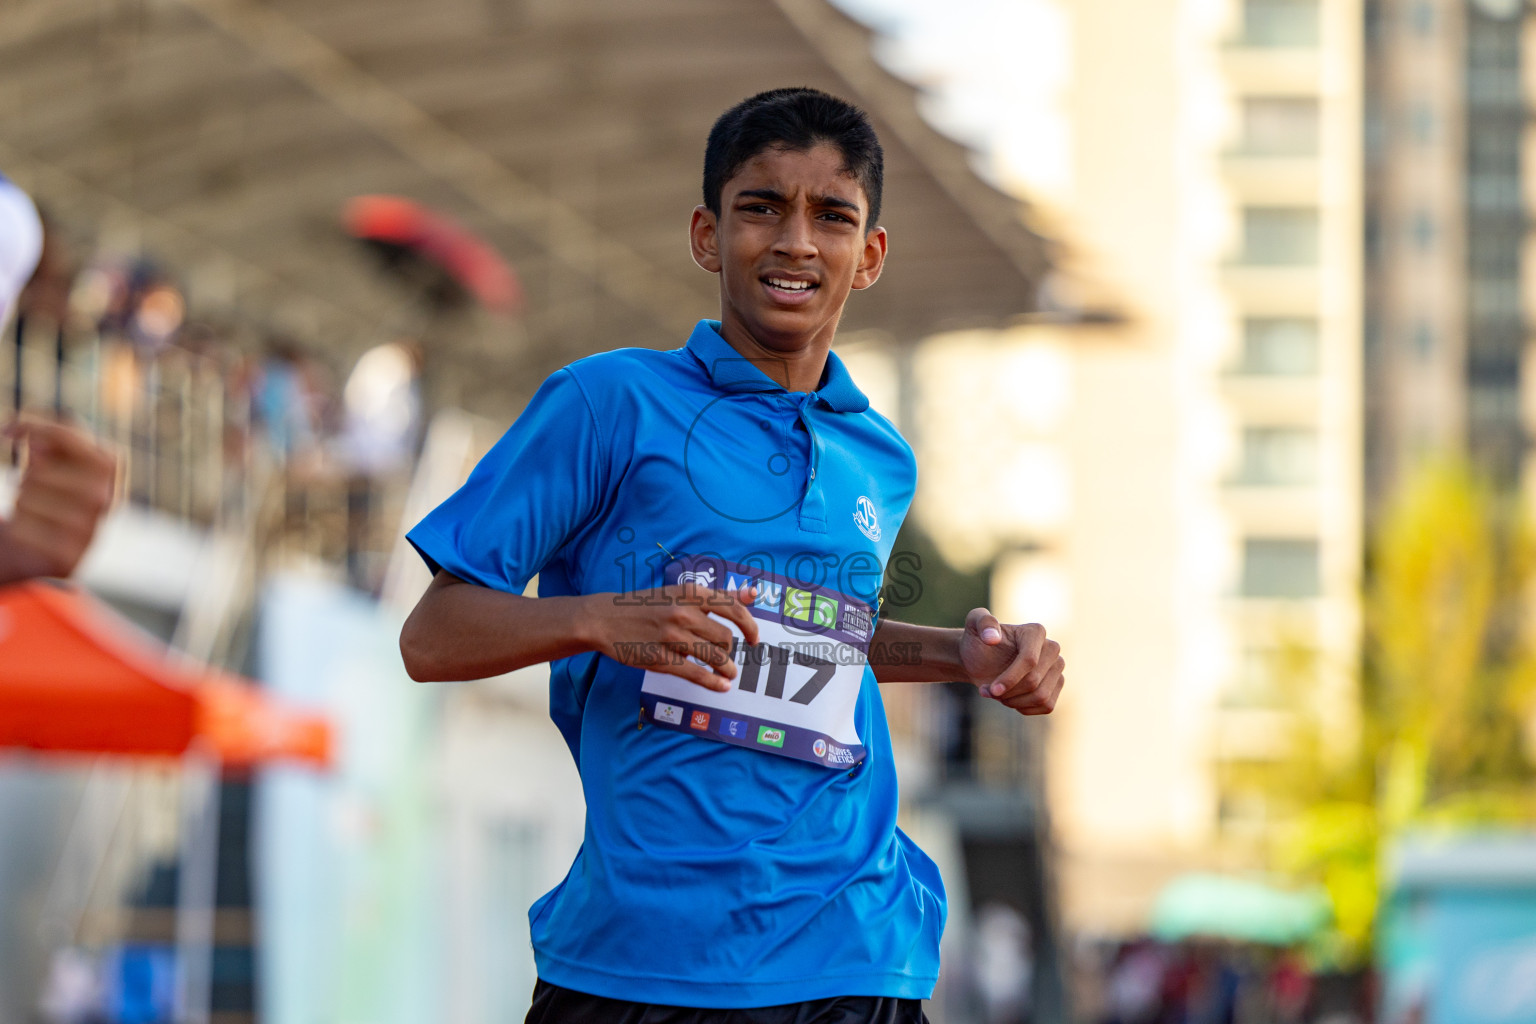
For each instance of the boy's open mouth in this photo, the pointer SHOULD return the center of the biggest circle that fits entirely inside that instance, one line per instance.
(789, 287)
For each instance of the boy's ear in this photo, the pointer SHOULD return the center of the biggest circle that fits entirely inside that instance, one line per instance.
(704, 239)
(872, 261)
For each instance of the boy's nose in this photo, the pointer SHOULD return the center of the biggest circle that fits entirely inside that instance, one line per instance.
(796, 238)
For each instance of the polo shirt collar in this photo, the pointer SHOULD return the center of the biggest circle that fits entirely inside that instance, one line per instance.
(732, 371)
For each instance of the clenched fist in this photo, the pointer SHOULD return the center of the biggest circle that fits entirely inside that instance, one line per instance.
(67, 483)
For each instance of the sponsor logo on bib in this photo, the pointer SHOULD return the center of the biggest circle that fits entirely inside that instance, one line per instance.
(819, 748)
(809, 607)
(769, 595)
(733, 727)
(704, 577)
(839, 755)
(770, 737)
(855, 620)
(735, 582)
(669, 713)
(700, 720)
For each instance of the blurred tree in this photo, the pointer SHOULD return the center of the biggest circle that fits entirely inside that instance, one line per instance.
(1447, 676)
(921, 586)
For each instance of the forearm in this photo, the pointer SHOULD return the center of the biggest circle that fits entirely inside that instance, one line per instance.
(459, 630)
(902, 652)
(17, 561)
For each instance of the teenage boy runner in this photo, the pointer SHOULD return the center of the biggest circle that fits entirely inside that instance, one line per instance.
(709, 526)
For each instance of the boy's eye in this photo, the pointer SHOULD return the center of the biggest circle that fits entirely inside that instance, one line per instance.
(838, 217)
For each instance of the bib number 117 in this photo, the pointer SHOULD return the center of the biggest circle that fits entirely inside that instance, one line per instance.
(753, 657)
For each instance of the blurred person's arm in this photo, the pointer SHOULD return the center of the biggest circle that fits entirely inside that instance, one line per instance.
(67, 485)
(460, 630)
(1015, 665)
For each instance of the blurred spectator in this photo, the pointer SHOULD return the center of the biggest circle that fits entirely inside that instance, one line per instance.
(1201, 987)
(382, 410)
(1004, 964)
(377, 444)
(1136, 984)
(283, 402)
(72, 993)
(1288, 990)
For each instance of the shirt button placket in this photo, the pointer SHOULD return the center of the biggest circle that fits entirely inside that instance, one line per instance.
(813, 506)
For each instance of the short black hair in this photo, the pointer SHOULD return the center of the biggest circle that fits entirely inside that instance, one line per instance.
(796, 119)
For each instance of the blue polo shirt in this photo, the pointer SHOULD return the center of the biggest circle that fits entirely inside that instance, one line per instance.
(711, 874)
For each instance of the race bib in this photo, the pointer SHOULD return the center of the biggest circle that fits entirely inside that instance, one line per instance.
(795, 690)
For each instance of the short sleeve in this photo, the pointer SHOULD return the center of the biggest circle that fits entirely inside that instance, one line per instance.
(539, 485)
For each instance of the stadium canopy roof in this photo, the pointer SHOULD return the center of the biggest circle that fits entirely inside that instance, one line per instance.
(225, 136)
(75, 678)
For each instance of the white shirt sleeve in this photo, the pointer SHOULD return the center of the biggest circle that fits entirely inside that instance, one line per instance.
(21, 245)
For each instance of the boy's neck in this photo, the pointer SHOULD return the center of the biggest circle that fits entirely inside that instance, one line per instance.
(795, 365)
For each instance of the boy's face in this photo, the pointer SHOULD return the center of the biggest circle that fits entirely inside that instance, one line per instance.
(789, 244)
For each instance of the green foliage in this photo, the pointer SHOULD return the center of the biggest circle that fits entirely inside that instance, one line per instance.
(1447, 676)
(921, 586)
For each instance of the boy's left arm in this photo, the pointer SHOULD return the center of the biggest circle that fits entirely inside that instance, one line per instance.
(1016, 665)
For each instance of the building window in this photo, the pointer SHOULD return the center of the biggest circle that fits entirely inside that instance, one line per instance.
(1281, 568)
(1493, 299)
(1280, 126)
(1278, 457)
(1253, 685)
(1280, 23)
(1270, 676)
(1424, 18)
(1423, 231)
(1494, 193)
(1422, 123)
(1276, 236)
(1424, 340)
(1279, 347)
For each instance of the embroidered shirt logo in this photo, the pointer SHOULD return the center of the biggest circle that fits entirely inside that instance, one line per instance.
(864, 517)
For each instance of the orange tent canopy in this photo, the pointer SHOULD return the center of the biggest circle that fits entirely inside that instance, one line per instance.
(75, 677)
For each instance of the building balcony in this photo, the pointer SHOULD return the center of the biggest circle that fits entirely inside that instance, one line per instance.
(1292, 70)
(1268, 178)
(1258, 398)
(1252, 734)
(1273, 290)
(1272, 509)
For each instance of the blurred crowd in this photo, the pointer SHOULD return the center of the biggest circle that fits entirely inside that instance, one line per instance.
(1144, 981)
(214, 419)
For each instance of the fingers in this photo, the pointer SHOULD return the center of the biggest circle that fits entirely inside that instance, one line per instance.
(739, 611)
(53, 437)
(735, 606)
(1043, 700)
(985, 625)
(694, 673)
(62, 457)
(1038, 691)
(1010, 677)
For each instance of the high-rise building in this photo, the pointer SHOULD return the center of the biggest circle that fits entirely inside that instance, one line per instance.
(1178, 494)
(1446, 214)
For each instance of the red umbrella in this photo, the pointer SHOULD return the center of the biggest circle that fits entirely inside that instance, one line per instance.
(74, 677)
(403, 224)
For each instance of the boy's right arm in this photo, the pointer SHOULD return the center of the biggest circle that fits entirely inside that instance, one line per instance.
(460, 630)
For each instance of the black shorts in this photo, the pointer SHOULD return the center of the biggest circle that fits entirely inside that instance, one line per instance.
(555, 1005)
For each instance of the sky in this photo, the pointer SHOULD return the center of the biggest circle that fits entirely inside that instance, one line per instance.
(992, 73)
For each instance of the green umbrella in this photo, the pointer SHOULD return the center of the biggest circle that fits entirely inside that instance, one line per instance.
(1215, 906)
